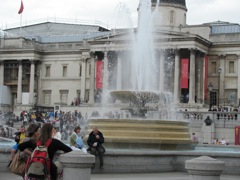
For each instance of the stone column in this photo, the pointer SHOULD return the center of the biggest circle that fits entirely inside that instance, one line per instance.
(119, 73)
(161, 71)
(92, 77)
(31, 89)
(192, 77)
(198, 78)
(238, 84)
(19, 87)
(177, 77)
(105, 77)
(76, 165)
(1, 72)
(204, 168)
(202, 78)
(83, 80)
(222, 78)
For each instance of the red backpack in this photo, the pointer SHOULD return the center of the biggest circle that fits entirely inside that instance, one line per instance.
(38, 164)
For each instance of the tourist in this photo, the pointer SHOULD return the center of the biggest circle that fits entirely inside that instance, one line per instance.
(20, 136)
(194, 137)
(95, 141)
(216, 141)
(223, 141)
(57, 134)
(3, 133)
(76, 142)
(56, 145)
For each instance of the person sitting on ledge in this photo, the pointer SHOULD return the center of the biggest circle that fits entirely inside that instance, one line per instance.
(95, 141)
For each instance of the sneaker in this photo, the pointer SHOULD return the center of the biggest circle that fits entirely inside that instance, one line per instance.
(9, 163)
(101, 166)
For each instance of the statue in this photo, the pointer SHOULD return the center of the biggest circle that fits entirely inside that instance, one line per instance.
(208, 121)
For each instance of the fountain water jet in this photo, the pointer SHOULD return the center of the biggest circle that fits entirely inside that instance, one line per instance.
(145, 94)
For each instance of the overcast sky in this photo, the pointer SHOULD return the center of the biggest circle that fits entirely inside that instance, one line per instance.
(114, 13)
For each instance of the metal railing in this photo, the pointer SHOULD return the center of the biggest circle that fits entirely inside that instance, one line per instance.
(57, 20)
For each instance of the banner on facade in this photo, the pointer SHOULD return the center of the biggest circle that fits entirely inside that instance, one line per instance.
(206, 78)
(99, 74)
(184, 73)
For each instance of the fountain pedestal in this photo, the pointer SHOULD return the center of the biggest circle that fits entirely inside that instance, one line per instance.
(208, 133)
(204, 168)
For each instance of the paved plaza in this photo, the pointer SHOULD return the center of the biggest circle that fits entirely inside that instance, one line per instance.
(5, 175)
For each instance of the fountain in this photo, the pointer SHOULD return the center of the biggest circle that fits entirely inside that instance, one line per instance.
(147, 122)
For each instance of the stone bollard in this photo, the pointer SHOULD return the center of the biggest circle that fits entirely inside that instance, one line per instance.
(76, 165)
(204, 168)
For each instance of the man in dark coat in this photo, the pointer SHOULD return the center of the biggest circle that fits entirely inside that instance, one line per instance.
(95, 141)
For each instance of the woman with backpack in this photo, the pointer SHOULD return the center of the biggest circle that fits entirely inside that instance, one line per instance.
(52, 145)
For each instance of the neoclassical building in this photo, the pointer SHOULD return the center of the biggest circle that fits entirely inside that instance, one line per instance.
(55, 63)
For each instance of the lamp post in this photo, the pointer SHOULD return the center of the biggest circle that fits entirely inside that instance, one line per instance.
(219, 72)
(210, 88)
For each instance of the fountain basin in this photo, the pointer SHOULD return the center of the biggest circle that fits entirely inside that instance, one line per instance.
(143, 133)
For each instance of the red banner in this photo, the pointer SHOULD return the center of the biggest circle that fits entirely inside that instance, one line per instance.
(184, 73)
(99, 75)
(206, 78)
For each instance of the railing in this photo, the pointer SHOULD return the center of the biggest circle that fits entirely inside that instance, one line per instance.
(58, 20)
(221, 119)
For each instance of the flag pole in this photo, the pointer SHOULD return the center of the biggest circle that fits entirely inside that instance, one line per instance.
(20, 29)
(20, 12)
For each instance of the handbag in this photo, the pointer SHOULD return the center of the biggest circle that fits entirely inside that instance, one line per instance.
(18, 165)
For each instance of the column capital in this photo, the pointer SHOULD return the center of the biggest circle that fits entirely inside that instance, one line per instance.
(176, 51)
(193, 50)
(20, 61)
(33, 61)
(222, 55)
(84, 60)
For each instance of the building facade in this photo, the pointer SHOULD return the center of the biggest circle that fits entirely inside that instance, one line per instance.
(64, 64)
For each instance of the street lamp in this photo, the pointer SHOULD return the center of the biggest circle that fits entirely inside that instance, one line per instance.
(219, 72)
(210, 88)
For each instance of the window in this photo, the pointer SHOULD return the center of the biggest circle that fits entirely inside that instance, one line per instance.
(213, 67)
(64, 71)
(64, 96)
(231, 67)
(171, 17)
(79, 95)
(213, 98)
(89, 69)
(48, 69)
(47, 97)
(80, 70)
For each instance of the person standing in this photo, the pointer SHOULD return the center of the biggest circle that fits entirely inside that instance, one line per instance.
(194, 137)
(20, 136)
(46, 133)
(95, 141)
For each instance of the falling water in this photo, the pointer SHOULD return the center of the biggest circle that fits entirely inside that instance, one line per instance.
(144, 74)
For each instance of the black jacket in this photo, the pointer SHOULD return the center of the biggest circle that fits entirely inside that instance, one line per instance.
(92, 139)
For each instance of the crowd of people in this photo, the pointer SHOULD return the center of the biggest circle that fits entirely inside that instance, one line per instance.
(221, 141)
(27, 140)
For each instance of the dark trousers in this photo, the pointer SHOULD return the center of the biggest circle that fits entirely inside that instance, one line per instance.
(99, 150)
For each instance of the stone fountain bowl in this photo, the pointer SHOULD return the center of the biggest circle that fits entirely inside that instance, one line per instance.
(143, 133)
(135, 96)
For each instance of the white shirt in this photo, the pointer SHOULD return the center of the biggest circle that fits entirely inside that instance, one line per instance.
(58, 136)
